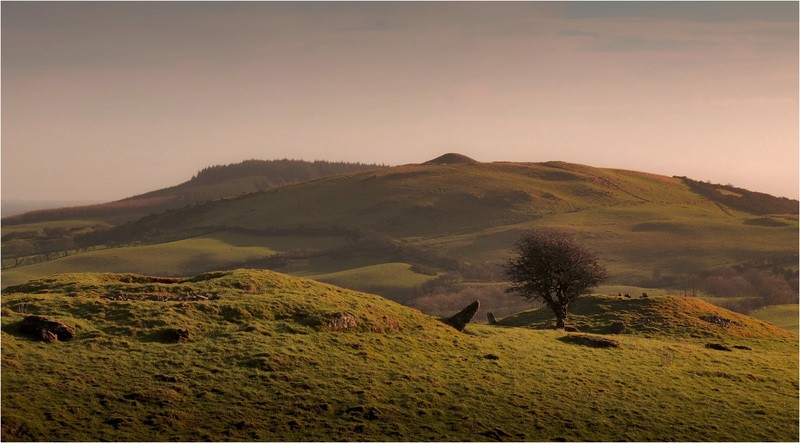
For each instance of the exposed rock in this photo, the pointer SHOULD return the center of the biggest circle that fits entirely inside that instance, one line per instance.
(742, 347)
(592, 341)
(490, 317)
(644, 294)
(570, 329)
(46, 329)
(617, 327)
(718, 347)
(491, 357)
(340, 322)
(460, 320)
(717, 320)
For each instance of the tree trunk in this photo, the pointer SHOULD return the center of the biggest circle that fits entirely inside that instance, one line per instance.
(561, 317)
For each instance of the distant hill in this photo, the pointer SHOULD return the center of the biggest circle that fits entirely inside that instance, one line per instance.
(211, 183)
(432, 226)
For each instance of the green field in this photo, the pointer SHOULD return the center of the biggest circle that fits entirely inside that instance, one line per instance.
(782, 316)
(392, 275)
(178, 258)
(262, 363)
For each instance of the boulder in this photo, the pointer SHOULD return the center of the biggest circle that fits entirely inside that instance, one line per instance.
(460, 320)
(340, 322)
(490, 317)
(46, 329)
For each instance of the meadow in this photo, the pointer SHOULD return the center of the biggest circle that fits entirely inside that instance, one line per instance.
(267, 357)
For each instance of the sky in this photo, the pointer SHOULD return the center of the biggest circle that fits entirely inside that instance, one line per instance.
(105, 100)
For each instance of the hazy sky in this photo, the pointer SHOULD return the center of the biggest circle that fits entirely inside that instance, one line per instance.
(107, 100)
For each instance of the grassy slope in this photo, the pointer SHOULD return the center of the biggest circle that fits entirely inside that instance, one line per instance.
(261, 367)
(394, 275)
(638, 222)
(783, 316)
(676, 316)
(184, 257)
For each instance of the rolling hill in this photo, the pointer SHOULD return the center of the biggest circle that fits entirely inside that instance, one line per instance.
(211, 183)
(454, 216)
(256, 355)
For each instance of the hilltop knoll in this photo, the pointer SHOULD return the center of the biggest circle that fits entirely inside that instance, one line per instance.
(661, 316)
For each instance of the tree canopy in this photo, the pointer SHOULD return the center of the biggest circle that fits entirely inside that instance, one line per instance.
(551, 267)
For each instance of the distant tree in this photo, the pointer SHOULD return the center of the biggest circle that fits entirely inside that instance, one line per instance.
(18, 249)
(549, 266)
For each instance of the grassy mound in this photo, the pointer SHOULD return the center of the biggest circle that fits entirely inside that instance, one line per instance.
(672, 316)
(255, 355)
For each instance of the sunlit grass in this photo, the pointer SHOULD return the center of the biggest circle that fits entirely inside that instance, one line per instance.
(261, 366)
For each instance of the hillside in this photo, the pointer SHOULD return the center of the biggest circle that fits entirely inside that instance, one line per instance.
(674, 316)
(211, 183)
(455, 219)
(256, 355)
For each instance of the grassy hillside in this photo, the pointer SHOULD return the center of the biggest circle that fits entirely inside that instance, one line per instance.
(211, 183)
(461, 217)
(654, 316)
(782, 316)
(261, 360)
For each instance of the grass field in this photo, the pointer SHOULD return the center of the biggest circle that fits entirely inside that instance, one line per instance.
(262, 363)
(178, 258)
(391, 275)
(782, 316)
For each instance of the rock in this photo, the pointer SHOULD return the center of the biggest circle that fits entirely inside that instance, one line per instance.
(46, 329)
(592, 341)
(570, 329)
(491, 357)
(340, 322)
(627, 296)
(293, 425)
(644, 294)
(460, 320)
(744, 348)
(617, 327)
(490, 317)
(718, 347)
(717, 320)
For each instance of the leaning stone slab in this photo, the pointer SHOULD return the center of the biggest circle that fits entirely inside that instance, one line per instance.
(460, 320)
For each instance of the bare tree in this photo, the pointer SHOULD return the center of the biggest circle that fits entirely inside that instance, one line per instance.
(549, 266)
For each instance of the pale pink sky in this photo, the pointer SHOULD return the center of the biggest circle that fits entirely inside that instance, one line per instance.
(102, 101)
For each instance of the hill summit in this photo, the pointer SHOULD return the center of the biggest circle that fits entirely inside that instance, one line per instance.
(452, 159)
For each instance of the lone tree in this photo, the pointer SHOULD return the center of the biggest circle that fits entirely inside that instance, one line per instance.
(549, 266)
